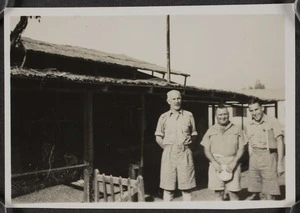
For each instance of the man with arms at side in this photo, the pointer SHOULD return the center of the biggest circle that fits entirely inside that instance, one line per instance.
(174, 133)
(224, 146)
(266, 148)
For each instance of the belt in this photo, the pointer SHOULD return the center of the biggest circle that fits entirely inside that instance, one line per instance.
(264, 149)
(259, 149)
(178, 147)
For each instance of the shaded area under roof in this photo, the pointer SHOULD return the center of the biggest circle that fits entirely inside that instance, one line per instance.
(94, 55)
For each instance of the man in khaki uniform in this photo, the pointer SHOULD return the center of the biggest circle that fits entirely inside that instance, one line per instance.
(174, 133)
(224, 146)
(266, 148)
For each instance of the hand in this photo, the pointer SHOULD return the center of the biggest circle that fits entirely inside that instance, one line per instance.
(280, 168)
(231, 166)
(217, 166)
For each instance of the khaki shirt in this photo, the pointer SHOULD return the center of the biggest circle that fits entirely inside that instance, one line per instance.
(263, 133)
(223, 142)
(176, 128)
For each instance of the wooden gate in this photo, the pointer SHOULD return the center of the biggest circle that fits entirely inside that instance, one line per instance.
(117, 189)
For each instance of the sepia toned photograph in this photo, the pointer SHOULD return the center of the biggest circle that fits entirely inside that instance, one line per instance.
(150, 107)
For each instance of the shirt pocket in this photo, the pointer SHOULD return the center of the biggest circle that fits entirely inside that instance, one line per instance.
(269, 131)
(232, 139)
(186, 126)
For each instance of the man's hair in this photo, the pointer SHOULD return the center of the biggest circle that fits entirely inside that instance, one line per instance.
(221, 106)
(172, 91)
(254, 101)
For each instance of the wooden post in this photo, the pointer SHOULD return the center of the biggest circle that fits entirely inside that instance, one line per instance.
(121, 189)
(276, 109)
(88, 133)
(141, 192)
(112, 188)
(143, 121)
(185, 77)
(129, 189)
(168, 49)
(213, 114)
(242, 116)
(86, 185)
(104, 188)
(96, 186)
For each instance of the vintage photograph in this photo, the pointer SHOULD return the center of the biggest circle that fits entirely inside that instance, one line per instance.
(149, 108)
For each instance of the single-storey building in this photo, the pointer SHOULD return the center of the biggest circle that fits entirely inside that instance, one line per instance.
(71, 105)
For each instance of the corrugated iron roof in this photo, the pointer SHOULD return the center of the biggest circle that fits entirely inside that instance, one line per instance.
(93, 55)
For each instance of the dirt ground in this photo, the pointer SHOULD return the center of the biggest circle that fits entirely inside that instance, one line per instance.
(63, 193)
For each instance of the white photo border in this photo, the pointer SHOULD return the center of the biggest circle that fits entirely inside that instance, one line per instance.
(284, 9)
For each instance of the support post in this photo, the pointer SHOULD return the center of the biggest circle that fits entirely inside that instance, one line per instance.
(213, 114)
(143, 118)
(168, 49)
(88, 136)
(242, 116)
(276, 109)
(185, 77)
(86, 185)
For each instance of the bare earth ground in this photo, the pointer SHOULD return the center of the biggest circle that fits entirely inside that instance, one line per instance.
(63, 193)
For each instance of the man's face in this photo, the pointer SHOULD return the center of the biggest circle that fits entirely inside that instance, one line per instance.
(222, 116)
(174, 100)
(256, 111)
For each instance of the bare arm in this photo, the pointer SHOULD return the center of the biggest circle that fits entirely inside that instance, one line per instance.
(159, 140)
(211, 158)
(238, 156)
(280, 150)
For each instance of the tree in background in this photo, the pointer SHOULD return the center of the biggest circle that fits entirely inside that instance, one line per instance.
(17, 49)
(258, 85)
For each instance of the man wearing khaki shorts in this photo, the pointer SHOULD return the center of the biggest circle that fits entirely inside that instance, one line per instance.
(224, 146)
(266, 148)
(174, 133)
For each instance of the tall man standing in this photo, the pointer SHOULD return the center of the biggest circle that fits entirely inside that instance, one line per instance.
(174, 133)
(266, 148)
(224, 146)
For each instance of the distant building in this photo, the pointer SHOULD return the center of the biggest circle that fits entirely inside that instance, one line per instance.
(240, 115)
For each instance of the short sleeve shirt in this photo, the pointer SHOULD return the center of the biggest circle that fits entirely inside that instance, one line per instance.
(176, 128)
(257, 132)
(224, 142)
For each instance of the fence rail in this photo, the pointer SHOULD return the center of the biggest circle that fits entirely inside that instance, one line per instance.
(29, 182)
(50, 170)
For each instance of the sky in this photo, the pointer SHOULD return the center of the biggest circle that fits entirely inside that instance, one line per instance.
(226, 52)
